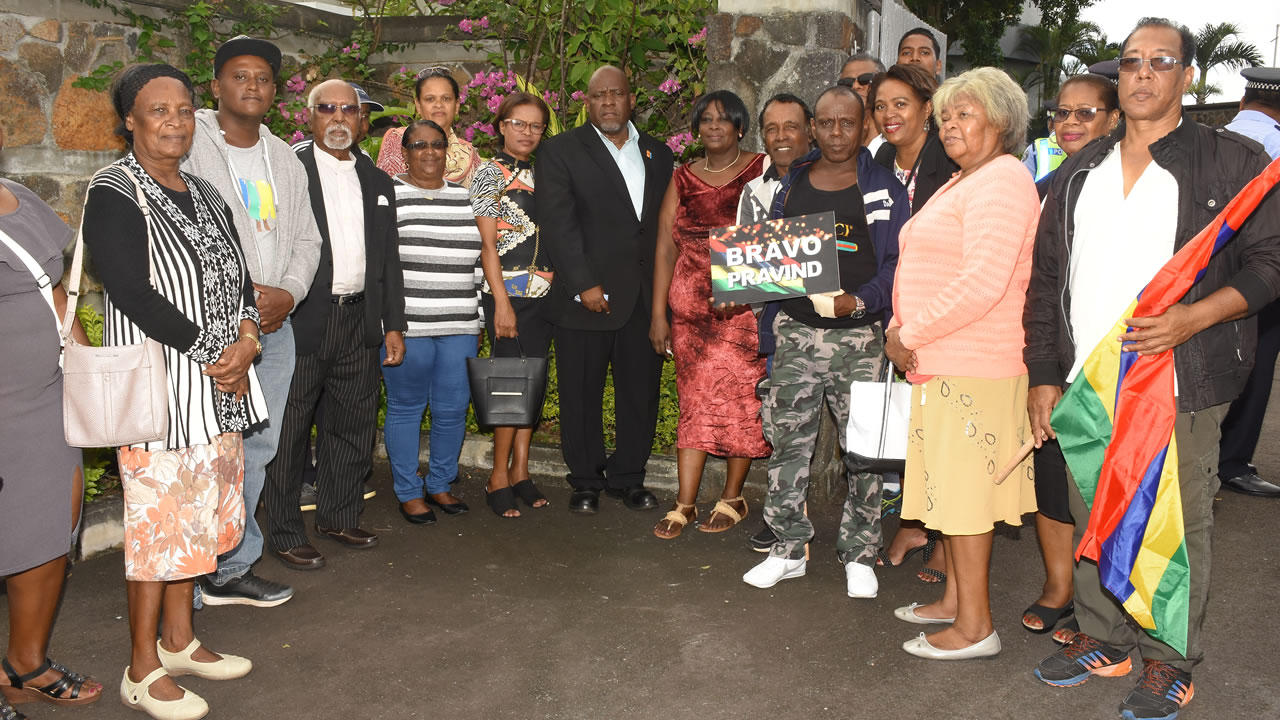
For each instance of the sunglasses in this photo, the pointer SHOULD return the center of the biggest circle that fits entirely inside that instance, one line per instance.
(1084, 115)
(1164, 63)
(423, 145)
(330, 108)
(520, 126)
(437, 71)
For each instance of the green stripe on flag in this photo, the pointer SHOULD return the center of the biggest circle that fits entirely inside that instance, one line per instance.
(1084, 430)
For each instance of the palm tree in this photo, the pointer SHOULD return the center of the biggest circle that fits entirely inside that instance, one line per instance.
(1051, 47)
(1213, 50)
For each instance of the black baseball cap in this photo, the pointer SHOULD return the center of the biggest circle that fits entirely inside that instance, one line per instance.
(245, 45)
(365, 99)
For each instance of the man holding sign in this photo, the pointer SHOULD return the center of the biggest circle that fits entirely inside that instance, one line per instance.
(824, 342)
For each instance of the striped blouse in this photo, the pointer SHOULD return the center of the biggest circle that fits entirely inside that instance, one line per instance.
(202, 292)
(440, 256)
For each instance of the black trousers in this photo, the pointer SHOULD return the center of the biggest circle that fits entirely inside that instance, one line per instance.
(583, 358)
(347, 373)
(1243, 426)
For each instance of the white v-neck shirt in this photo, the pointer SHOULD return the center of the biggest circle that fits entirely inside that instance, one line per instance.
(1119, 244)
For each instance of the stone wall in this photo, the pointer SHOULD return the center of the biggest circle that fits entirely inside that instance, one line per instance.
(58, 135)
(757, 56)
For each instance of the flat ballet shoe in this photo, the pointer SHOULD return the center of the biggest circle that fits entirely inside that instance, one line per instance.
(180, 663)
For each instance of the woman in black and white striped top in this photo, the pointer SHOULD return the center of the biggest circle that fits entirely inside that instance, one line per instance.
(183, 496)
(439, 253)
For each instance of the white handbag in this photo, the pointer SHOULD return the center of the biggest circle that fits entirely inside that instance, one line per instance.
(876, 437)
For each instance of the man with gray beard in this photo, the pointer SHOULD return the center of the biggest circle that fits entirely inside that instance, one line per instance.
(356, 303)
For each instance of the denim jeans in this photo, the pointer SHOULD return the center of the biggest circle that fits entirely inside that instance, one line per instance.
(434, 373)
(274, 368)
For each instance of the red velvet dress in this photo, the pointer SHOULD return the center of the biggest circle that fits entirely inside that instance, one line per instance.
(717, 363)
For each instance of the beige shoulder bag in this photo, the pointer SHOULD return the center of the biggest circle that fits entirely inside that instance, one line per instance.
(112, 396)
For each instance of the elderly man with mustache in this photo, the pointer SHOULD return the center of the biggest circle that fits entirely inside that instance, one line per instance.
(356, 302)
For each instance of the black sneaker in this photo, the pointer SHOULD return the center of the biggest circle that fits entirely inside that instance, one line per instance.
(248, 589)
(308, 497)
(1160, 694)
(763, 541)
(1081, 659)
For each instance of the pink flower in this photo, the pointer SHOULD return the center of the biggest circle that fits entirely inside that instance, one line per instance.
(483, 22)
(699, 37)
(462, 97)
(282, 107)
(295, 84)
(465, 25)
(494, 102)
(445, 3)
(578, 95)
(470, 133)
(477, 80)
(300, 117)
(670, 86)
(680, 142)
(296, 137)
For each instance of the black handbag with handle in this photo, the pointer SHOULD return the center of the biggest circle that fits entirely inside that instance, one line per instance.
(508, 391)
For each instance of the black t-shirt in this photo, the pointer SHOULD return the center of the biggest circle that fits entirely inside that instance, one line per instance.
(856, 254)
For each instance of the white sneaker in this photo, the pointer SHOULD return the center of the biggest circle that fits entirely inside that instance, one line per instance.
(860, 580)
(772, 570)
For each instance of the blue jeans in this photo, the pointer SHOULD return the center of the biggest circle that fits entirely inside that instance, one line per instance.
(274, 368)
(434, 373)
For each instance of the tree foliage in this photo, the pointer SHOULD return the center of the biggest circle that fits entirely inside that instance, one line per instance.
(1055, 47)
(1215, 47)
(980, 24)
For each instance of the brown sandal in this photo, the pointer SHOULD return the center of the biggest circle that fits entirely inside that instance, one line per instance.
(724, 508)
(677, 520)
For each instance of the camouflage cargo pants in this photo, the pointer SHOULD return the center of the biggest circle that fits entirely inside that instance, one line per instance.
(811, 365)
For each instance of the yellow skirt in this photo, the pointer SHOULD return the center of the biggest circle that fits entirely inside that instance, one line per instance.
(962, 432)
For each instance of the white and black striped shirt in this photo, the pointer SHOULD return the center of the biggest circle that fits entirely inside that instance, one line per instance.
(202, 292)
(440, 256)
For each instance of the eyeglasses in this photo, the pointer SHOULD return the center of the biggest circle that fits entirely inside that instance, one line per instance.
(1163, 63)
(521, 126)
(437, 71)
(423, 145)
(330, 108)
(1084, 115)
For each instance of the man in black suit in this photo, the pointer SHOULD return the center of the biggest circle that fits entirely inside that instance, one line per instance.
(599, 190)
(356, 301)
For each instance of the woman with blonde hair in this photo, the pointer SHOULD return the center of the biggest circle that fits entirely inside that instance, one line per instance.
(957, 332)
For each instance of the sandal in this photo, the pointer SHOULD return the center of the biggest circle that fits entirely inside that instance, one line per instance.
(7, 712)
(1048, 616)
(930, 544)
(677, 520)
(54, 692)
(529, 493)
(724, 508)
(502, 500)
(1067, 632)
(929, 576)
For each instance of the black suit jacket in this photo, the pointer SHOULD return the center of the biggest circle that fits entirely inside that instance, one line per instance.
(383, 278)
(590, 227)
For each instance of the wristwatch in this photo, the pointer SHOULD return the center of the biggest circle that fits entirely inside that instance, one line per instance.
(258, 343)
(859, 308)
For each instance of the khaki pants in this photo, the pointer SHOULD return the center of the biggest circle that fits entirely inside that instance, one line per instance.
(1100, 615)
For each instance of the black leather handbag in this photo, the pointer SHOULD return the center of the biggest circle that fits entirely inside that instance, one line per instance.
(508, 391)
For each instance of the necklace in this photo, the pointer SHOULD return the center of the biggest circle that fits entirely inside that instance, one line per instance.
(706, 164)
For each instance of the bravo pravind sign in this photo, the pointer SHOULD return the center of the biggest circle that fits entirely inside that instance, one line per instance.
(775, 259)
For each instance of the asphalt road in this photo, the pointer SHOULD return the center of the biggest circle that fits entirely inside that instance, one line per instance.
(563, 616)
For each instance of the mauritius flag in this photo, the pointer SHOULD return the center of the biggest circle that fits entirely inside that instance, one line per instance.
(1115, 427)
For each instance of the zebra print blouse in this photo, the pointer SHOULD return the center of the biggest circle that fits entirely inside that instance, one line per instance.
(202, 292)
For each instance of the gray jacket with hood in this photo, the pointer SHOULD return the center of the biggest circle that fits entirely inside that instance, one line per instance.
(297, 238)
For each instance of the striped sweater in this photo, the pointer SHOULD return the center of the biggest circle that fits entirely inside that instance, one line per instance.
(963, 269)
(440, 255)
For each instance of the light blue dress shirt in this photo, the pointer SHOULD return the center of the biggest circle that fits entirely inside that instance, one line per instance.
(629, 162)
(1260, 127)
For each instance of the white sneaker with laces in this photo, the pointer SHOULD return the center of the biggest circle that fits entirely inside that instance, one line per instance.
(860, 580)
(774, 570)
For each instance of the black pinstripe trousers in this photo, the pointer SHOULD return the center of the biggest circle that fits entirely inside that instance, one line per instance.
(348, 374)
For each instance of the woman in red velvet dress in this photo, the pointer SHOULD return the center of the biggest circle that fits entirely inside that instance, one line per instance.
(717, 366)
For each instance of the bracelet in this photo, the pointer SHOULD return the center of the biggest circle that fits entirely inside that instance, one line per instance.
(256, 342)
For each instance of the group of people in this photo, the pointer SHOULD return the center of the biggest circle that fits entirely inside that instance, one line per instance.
(286, 284)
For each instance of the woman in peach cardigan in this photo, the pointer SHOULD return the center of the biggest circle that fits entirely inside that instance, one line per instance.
(957, 332)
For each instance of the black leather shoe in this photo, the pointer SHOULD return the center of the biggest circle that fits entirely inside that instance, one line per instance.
(448, 508)
(303, 557)
(1251, 484)
(584, 501)
(426, 518)
(351, 537)
(635, 498)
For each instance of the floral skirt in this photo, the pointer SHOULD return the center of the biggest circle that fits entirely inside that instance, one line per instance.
(182, 508)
